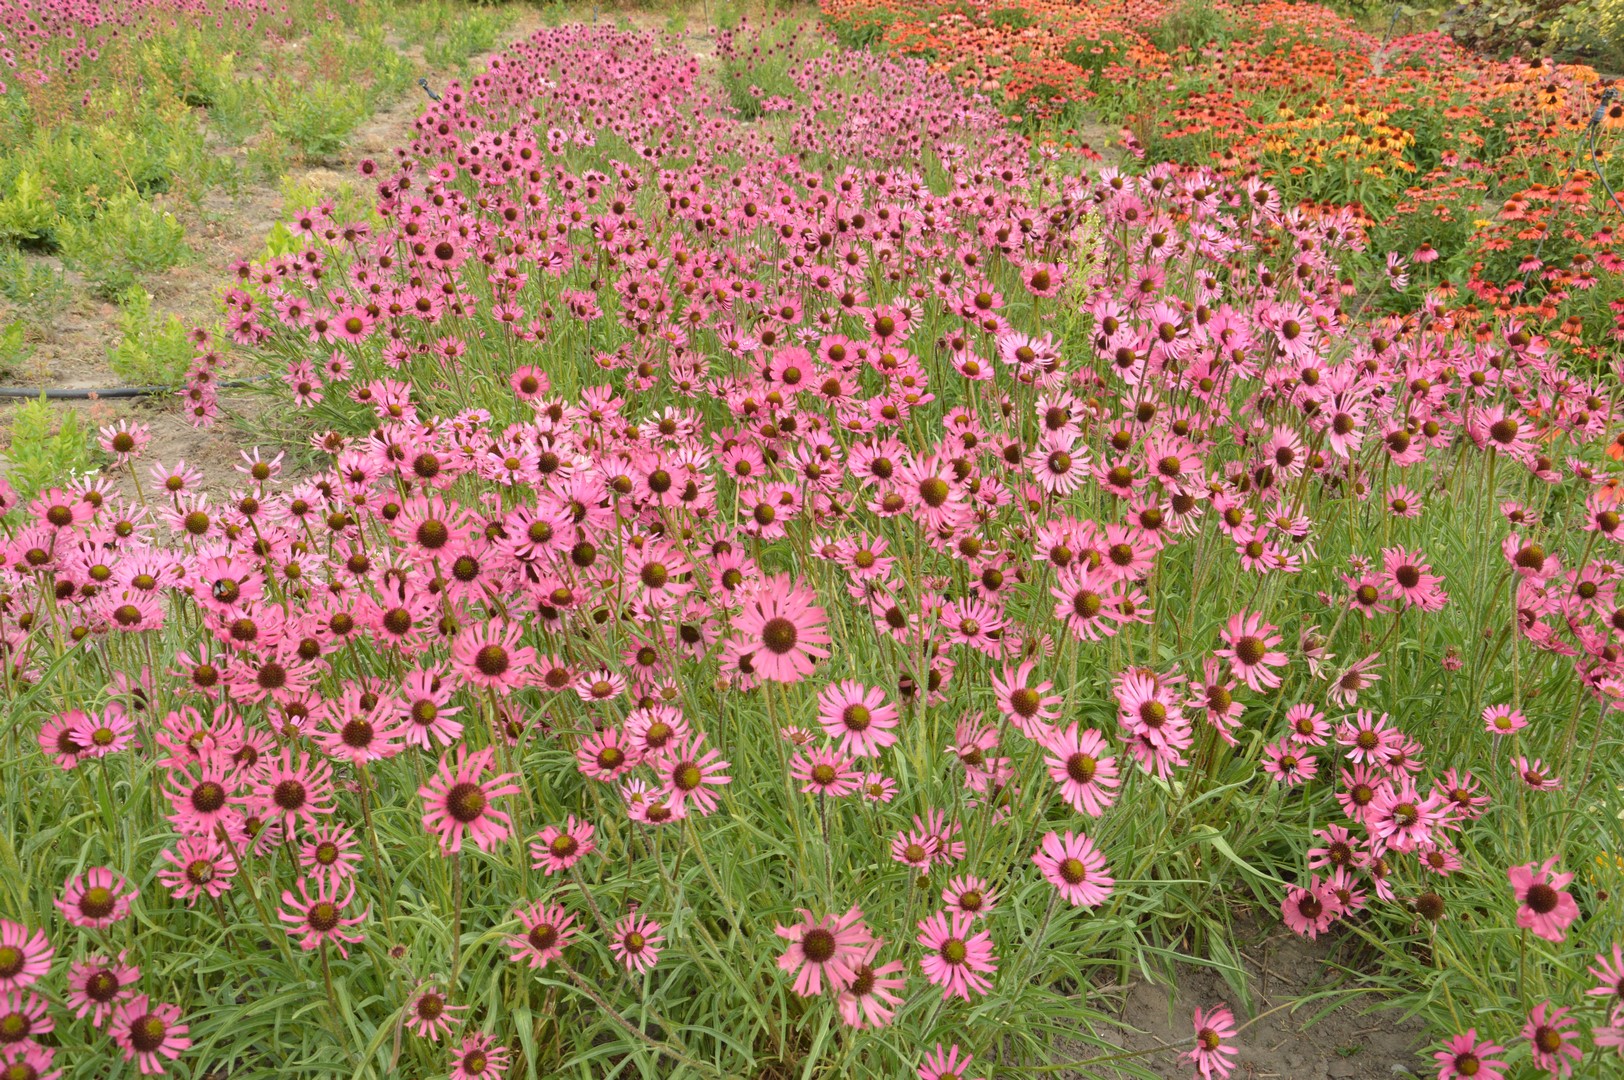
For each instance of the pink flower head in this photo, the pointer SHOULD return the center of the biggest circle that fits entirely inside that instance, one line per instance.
(457, 802)
(971, 895)
(870, 999)
(1078, 762)
(318, 919)
(548, 928)
(1072, 864)
(689, 772)
(946, 1064)
(1250, 647)
(827, 948)
(97, 986)
(783, 630)
(96, 899)
(956, 959)
(1552, 1040)
(488, 654)
(826, 771)
(858, 716)
(148, 1033)
(1213, 1049)
(556, 850)
(1465, 1057)
(429, 1015)
(24, 957)
(1029, 709)
(636, 942)
(479, 1058)
(1312, 910)
(1542, 905)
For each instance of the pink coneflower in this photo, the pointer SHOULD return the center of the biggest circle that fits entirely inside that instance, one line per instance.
(1213, 1051)
(1029, 709)
(488, 654)
(946, 1064)
(27, 1060)
(858, 716)
(1306, 725)
(1369, 739)
(457, 803)
(1534, 775)
(636, 942)
(149, 1033)
(1464, 1057)
(607, 755)
(198, 866)
(557, 849)
(1312, 910)
(1609, 976)
(292, 791)
(870, 999)
(57, 739)
(24, 956)
(426, 711)
(1402, 819)
(1288, 763)
(24, 1015)
(1551, 1040)
(1087, 775)
(1542, 905)
(784, 630)
(689, 772)
(971, 895)
(103, 733)
(1410, 579)
(479, 1058)
(956, 959)
(1503, 720)
(429, 1015)
(96, 899)
(1214, 696)
(200, 795)
(316, 920)
(877, 787)
(1072, 864)
(1249, 646)
(330, 853)
(829, 948)
(825, 771)
(124, 441)
(97, 986)
(915, 848)
(548, 928)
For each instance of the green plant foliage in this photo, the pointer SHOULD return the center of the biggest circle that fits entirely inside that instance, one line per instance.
(153, 350)
(45, 447)
(128, 238)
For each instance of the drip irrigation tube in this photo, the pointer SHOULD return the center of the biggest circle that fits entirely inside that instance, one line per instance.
(66, 393)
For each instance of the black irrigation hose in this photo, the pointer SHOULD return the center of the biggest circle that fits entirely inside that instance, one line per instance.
(62, 393)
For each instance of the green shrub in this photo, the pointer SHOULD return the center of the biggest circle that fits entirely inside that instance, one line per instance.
(27, 217)
(316, 119)
(44, 450)
(154, 350)
(13, 349)
(128, 238)
(1193, 24)
(28, 281)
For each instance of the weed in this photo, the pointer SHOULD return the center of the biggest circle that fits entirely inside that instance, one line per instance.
(46, 447)
(130, 237)
(152, 350)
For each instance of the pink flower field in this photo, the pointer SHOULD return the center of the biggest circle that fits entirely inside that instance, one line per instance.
(782, 575)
